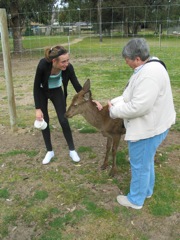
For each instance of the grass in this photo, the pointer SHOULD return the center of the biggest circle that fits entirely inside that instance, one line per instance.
(67, 201)
(34, 43)
(71, 204)
(17, 152)
(4, 193)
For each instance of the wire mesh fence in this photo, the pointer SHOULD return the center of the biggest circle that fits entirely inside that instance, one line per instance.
(64, 24)
(160, 23)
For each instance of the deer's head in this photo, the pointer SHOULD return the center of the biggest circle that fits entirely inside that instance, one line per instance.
(79, 101)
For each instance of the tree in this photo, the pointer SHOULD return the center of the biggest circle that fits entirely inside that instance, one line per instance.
(21, 12)
(109, 13)
(130, 15)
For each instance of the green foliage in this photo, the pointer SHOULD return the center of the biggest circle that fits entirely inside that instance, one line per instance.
(36, 211)
(54, 210)
(88, 130)
(97, 211)
(121, 158)
(51, 235)
(162, 202)
(9, 217)
(4, 193)
(59, 222)
(40, 195)
(161, 156)
(29, 9)
(81, 125)
(84, 149)
(172, 148)
(15, 152)
(89, 150)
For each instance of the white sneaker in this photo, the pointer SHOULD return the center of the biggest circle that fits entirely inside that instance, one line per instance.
(48, 157)
(149, 196)
(73, 154)
(125, 202)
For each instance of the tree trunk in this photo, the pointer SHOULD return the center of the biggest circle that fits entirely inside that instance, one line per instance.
(16, 27)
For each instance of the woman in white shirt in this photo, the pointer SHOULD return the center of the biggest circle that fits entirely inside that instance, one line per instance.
(147, 108)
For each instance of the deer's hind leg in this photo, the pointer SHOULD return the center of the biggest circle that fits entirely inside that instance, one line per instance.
(115, 144)
(108, 149)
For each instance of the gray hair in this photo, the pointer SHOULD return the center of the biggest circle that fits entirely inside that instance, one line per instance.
(136, 47)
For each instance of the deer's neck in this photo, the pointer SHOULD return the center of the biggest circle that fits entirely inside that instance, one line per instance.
(92, 115)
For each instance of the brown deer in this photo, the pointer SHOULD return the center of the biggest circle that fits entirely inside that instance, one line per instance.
(82, 103)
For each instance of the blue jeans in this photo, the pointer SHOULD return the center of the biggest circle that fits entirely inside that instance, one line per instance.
(141, 155)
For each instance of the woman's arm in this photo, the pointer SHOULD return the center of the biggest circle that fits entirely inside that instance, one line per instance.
(36, 88)
(73, 78)
(41, 78)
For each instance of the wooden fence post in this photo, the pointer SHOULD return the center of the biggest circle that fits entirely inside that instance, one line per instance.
(8, 68)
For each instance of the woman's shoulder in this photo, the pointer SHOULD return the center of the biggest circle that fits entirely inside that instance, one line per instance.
(43, 63)
(70, 67)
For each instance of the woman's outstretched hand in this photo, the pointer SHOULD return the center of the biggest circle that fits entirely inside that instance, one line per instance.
(98, 105)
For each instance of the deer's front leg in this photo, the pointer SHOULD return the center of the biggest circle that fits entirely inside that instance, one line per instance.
(108, 148)
(116, 140)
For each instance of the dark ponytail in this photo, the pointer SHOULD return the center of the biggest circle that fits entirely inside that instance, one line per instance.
(54, 52)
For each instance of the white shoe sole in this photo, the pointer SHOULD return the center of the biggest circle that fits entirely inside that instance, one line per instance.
(122, 200)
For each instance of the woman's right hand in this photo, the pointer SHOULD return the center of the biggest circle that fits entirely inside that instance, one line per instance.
(98, 105)
(39, 115)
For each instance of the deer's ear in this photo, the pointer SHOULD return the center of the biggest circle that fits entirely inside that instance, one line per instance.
(87, 96)
(86, 86)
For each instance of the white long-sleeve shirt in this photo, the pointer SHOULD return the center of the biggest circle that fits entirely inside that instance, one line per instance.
(146, 104)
